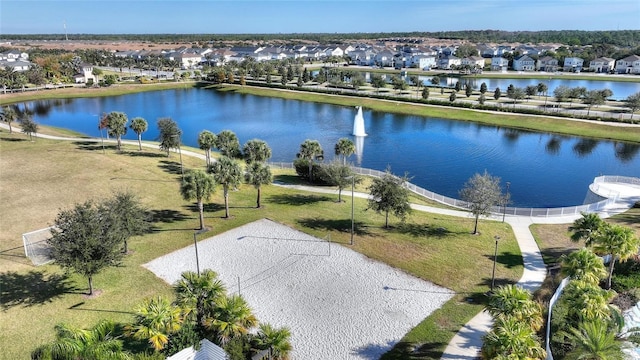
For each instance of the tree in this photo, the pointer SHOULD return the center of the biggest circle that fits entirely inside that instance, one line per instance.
(310, 150)
(542, 88)
(9, 115)
(155, 320)
(399, 83)
(531, 90)
(512, 339)
(481, 192)
(497, 94)
(592, 340)
(139, 125)
(86, 240)
(344, 148)
(583, 265)
(377, 81)
(561, 93)
(232, 318)
(633, 103)
(338, 174)
(100, 342)
(425, 93)
(169, 134)
(256, 150)
(96, 72)
(512, 301)
(131, 216)
(207, 140)
(593, 98)
(227, 173)
(466, 50)
(277, 341)
(258, 174)
(228, 144)
(452, 97)
(458, 86)
(117, 126)
(435, 80)
(29, 126)
(617, 241)
(468, 90)
(586, 228)
(197, 294)
(481, 99)
(389, 195)
(483, 88)
(197, 185)
(415, 80)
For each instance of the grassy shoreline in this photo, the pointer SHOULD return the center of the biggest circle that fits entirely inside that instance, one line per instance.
(523, 122)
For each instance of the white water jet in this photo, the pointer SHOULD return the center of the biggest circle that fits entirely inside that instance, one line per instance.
(358, 124)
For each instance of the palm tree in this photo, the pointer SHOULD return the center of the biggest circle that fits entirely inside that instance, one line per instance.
(592, 340)
(197, 185)
(155, 320)
(197, 294)
(276, 340)
(618, 241)
(512, 301)
(583, 265)
(100, 342)
(512, 339)
(258, 174)
(9, 115)
(228, 144)
(586, 227)
(232, 317)
(344, 148)
(117, 125)
(589, 301)
(310, 150)
(256, 150)
(227, 173)
(139, 125)
(207, 140)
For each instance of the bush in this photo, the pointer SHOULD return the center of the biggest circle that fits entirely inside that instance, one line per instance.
(302, 169)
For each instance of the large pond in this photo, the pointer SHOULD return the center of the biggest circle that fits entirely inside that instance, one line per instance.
(544, 170)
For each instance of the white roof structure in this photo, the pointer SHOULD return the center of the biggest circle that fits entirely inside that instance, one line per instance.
(207, 351)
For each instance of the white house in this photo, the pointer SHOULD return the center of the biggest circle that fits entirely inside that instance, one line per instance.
(448, 61)
(423, 62)
(16, 65)
(207, 351)
(628, 65)
(86, 74)
(498, 63)
(602, 65)
(572, 64)
(476, 62)
(524, 63)
(384, 58)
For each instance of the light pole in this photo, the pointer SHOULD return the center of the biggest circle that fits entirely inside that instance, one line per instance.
(495, 256)
(506, 199)
(353, 184)
(195, 245)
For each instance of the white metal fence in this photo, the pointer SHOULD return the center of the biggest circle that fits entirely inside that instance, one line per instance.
(552, 302)
(506, 210)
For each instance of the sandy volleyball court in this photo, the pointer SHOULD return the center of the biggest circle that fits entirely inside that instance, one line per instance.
(337, 303)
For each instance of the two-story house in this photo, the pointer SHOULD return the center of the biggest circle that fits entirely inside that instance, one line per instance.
(498, 63)
(572, 64)
(628, 65)
(524, 63)
(602, 65)
(547, 63)
(473, 62)
(448, 62)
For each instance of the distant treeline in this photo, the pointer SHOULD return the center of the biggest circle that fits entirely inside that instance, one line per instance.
(621, 38)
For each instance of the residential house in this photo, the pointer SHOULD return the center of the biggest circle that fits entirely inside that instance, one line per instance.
(547, 63)
(474, 62)
(385, 58)
(14, 55)
(572, 64)
(602, 65)
(487, 51)
(189, 60)
(524, 63)
(628, 65)
(16, 65)
(85, 74)
(448, 62)
(207, 351)
(423, 62)
(362, 57)
(498, 63)
(504, 49)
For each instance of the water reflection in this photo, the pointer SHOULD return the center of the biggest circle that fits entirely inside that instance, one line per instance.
(584, 147)
(626, 151)
(553, 145)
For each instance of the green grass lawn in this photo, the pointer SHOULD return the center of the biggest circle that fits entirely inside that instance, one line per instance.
(41, 177)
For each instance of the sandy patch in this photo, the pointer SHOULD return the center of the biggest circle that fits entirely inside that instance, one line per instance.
(338, 303)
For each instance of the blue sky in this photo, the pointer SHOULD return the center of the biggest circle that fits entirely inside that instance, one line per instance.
(312, 16)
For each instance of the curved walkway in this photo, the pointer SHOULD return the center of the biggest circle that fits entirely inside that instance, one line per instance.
(467, 342)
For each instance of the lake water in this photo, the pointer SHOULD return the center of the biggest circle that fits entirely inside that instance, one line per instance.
(440, 155)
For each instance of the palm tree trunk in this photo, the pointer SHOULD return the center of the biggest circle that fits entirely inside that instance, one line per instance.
(11, 130)
(125, 249)
(386, 219)
(258, 200)
(611, 265)
(201, 211)
(226, 202)
(139, 142)
(90, 284)
(475, 227)
(119, 142)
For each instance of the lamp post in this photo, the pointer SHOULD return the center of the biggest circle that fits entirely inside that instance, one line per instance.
(495, 256)
(353, 184)
(195, 245)
(506, 199)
